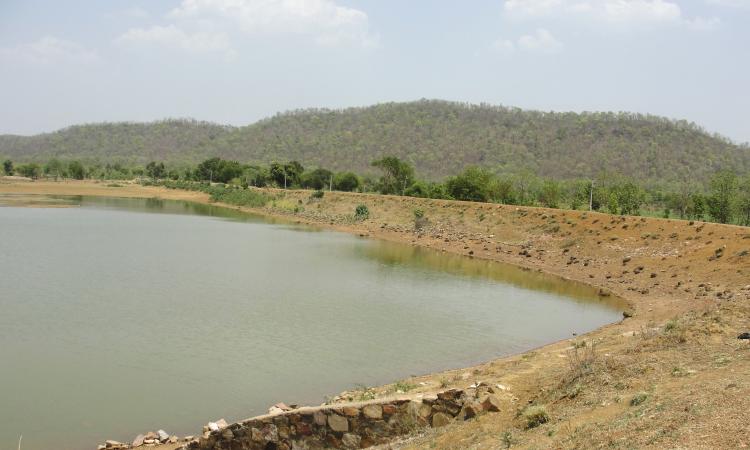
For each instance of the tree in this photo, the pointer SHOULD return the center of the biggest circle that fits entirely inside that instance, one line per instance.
(31, 170)
(630, 197)
(218, 170)
(8, 167)
(156, 170)
(743, 202)
(723, 192)
(397, 175)
(471, 185)
(317, 179)
(346, 181)
(286, 175)
(697, 206)
(54, 168)
(76, 170)
(549, 194)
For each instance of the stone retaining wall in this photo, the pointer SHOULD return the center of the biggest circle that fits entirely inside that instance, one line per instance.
(351, 425)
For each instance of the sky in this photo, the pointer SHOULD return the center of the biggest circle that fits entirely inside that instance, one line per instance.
(238, 61)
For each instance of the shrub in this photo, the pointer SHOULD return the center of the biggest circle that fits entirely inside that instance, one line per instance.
(317, 194)
(361, 212)
(535, 416)
(638, 399)
(420, 221)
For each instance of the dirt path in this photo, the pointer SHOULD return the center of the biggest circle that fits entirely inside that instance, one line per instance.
(687, 285)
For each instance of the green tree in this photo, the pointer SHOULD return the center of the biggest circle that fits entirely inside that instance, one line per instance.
(76, 170)
(31, 170)
(743, 202)
(346, 181)
(397, 175)
(723, 192)
(697, 206)
(54, 168)
(630, 197)
(549, 194)
(156, 170)
(317, 179)
(471, 185)
(286, 175)
(8, 167)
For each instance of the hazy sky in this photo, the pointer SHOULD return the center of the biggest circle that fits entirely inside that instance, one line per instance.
(236, 61)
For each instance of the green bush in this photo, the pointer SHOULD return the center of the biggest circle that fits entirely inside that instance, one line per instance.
(317, 194)
(535, 416)
(361, 212)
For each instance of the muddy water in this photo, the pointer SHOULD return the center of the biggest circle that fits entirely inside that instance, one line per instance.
(125, 315)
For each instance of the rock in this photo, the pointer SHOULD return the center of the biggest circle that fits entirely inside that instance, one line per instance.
(492, 403)
(188, 438)
(138, 441)
(150, 435)
(112, 444)
(101, 447)
(471, 409)
(338, 423)
(213, 426)
(440, 420)
(350, 411)
(163, 436)
(373, 411)
(222, 424)
(745, 336)
(389, 409)
(350, 440)
(320, 418)
(173, 439)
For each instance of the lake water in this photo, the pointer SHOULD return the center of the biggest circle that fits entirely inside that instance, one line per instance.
(120, 316)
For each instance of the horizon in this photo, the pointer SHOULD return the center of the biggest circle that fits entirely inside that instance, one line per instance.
(238, 61)
(346, 108)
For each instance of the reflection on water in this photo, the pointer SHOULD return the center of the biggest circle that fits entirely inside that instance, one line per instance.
(124, 315)
(405, 255)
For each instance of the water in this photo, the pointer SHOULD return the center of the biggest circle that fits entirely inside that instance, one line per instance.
(120, 316)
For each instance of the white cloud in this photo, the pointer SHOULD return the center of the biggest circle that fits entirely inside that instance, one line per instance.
(621, 12)
(48, 50)
(731, 3)
(325, 21)
(703, 24)
(539, 41)
(610, 10)
(171, 36)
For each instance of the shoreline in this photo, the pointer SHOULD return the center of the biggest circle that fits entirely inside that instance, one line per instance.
(657, 266)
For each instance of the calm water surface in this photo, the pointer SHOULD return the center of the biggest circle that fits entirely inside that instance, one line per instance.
(125, 315)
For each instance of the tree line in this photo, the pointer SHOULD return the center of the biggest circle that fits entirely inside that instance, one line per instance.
(726, 200)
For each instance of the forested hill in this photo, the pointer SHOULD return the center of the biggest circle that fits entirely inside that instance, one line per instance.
(439, 138)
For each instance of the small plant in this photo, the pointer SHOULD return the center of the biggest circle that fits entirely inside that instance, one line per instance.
(317, 194)
(361, 212)
(507, 439)
(638, 399)
(403, 386)
(420, 221)
(535, 416)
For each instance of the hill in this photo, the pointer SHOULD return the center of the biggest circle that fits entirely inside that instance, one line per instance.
(439, 138)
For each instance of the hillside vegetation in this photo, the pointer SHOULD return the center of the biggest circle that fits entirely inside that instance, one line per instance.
(439, 138)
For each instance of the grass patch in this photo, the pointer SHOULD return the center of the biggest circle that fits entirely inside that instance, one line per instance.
(638, 399)
(535, 416)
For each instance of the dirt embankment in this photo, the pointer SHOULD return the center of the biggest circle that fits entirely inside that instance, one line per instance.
(671, 374)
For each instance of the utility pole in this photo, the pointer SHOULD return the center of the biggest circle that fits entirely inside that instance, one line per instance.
(591, 197)
(330, 184)
(284, 180)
